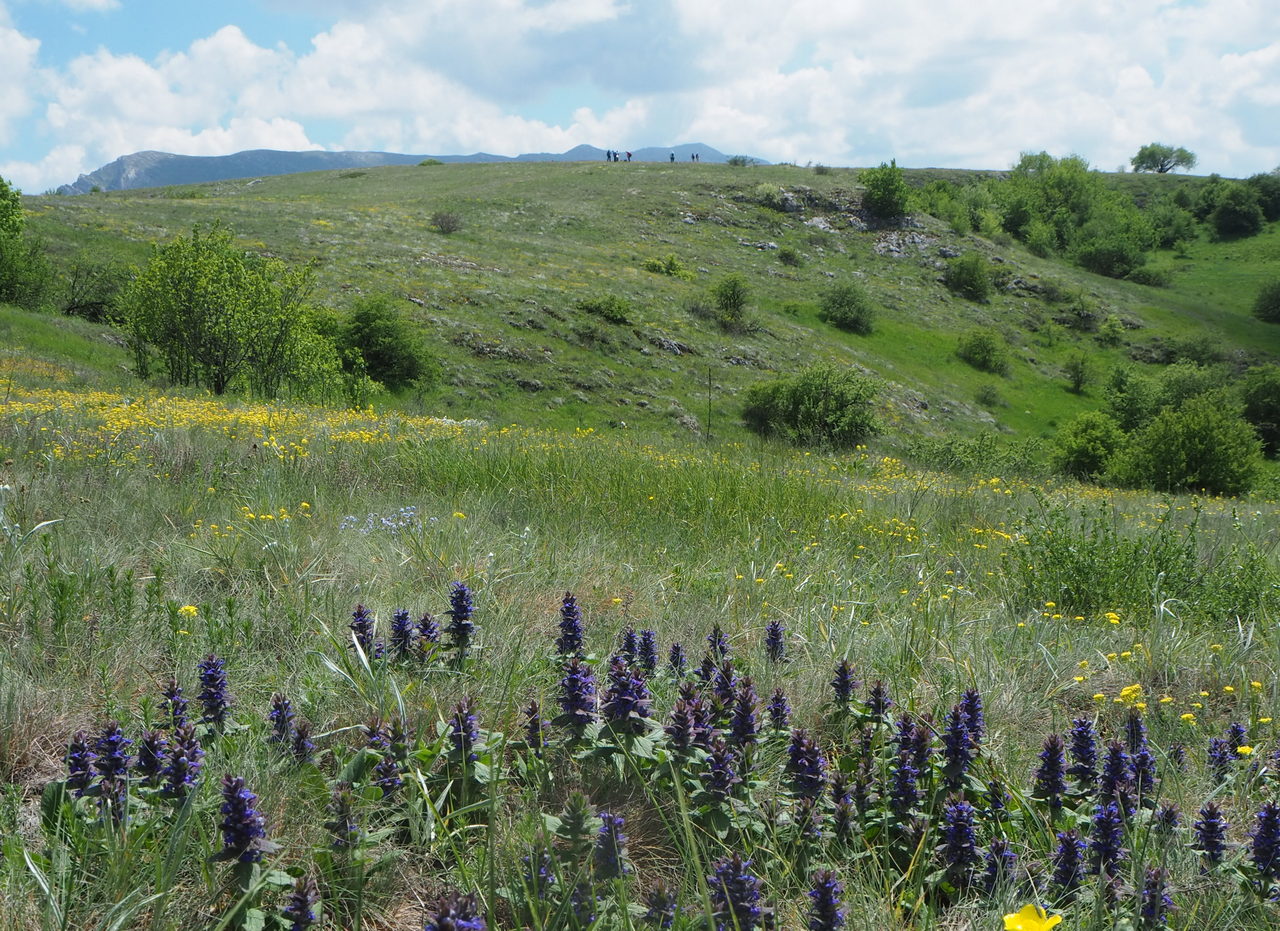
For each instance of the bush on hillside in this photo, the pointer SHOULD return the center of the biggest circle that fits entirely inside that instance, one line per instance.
(969, 276)
(886, 195)
(1084, 445)
(389, 346)
(25, 274)
(824, 405)
(1236, 212)
(1266, 187)
(669, 264)
(729, 298)
(847, 307)
(1266, 306)
(608, 307)
(446, 222)
(985, 350)
(1260, 394)
(1204, 445)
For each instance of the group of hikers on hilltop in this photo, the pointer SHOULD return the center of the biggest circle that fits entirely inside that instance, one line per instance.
(611, 156)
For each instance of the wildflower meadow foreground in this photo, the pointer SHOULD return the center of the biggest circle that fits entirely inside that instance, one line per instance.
(267, 673)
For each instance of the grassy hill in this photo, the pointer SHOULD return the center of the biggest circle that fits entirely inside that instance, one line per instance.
(499, 298)
(808, 660)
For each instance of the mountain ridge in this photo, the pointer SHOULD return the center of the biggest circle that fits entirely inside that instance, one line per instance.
(160, 169)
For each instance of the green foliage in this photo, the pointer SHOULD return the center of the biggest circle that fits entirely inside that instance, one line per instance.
(740, 161)
(1158, 157)
(984, 349)
(389, 348)
(429, 163)
(12, 219)
(729, 297)
(219, 317)
(790, 257)
(969, 276)
(1236, 211)
(1133, 398)
(1078, 372)
(1113, 241)
(609, 307)
(1084, 445)
(90, 289)
(669, 264)
(824, 405)
(1266, 187)
(770, 196)
(1260, 395)
(1266, 306)
(1172, 225)
(886, 194)
(1203, 445)
(847, 307)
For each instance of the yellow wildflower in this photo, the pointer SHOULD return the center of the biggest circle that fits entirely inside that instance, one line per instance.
(1031, 918)
(188, 611)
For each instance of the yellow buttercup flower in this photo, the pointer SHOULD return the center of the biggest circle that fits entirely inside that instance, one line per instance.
(1031, 918)
(1244, 751)
(188, 611)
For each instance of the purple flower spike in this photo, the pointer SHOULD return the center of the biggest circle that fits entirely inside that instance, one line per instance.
(1107, 839)
(1001, 865)
(112, 749)
(460, 628)
(464, 730)
(825, 912)
(959, 849)
(676, 659)
(300, 910)
(1084, 753)
(569, 643)
(957, 749)
(185, 761)
(536, 729)
(1211, 834)
(403, 634)
(779, 711)
(974, 719)
(342, 826)
(362, 628)
(744, 721)
(1264, 842)
(302, 748)
(577, 696)
(775, 641)
(456, 913)
(281, 718)
(844, 684)
(243, 830)
(647, 652)
(610, 853)
(661, 903)
(878, 701)
(718, 644)
(806, 768)
(79, 760)
(153, 752)
(735, 895)
(1068, 863)
(1050, 781)
(721, 775)
(1154, 901)
(386, 775)
(625, 703)
(175, 705)
(213, 695)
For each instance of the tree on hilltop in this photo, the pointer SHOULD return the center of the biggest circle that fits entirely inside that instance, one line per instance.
(1161, 158)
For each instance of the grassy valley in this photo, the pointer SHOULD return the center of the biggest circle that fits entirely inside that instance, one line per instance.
(481, 654)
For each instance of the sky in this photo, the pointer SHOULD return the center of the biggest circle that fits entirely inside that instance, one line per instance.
(944, 83)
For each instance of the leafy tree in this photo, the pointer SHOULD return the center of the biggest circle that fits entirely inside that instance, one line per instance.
(1158, 157)
(1267, 188)
(1236, 211)
(1085, 444)
(391, 350)
(886, 195)
(1266, 306)
(824, 405)
(219, 317)
(1205, 445)
(848, 307)
(25, 275)
(1260, 392)
(1173, 225)
(730, 295)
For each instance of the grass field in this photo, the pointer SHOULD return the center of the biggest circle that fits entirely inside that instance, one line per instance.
(1000, 688)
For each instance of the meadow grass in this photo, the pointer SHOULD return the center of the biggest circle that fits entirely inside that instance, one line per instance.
(143, 532)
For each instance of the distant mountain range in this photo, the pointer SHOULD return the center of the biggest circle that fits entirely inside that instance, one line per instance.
(159, 169)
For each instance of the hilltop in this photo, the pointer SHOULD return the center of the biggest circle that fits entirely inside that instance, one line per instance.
(158, 169)
(505, 299)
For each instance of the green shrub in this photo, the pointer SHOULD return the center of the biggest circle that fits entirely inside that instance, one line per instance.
(1266, 306)
(1236, 211)
(25, 274)
(770, 196)
(821, 169)
(389, 347)
(1078, 373)
(790, 257)
(729, 296)
(969, 276)
(1040, 238)
(1084, 445)
(847, 307)
(429, 162)
(988, 396)
(1266, 187)
(1204, 445)
(1260, 394)
(886, 195)
(608, 307)
(985, 350)
(1172, 224)
(669, 264)
(740, 161)
(824, 405)
(1151, 277)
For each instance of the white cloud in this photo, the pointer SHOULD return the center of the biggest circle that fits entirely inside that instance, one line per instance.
(965, 83)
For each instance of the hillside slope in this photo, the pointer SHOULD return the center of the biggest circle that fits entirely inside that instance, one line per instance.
(501, 297)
